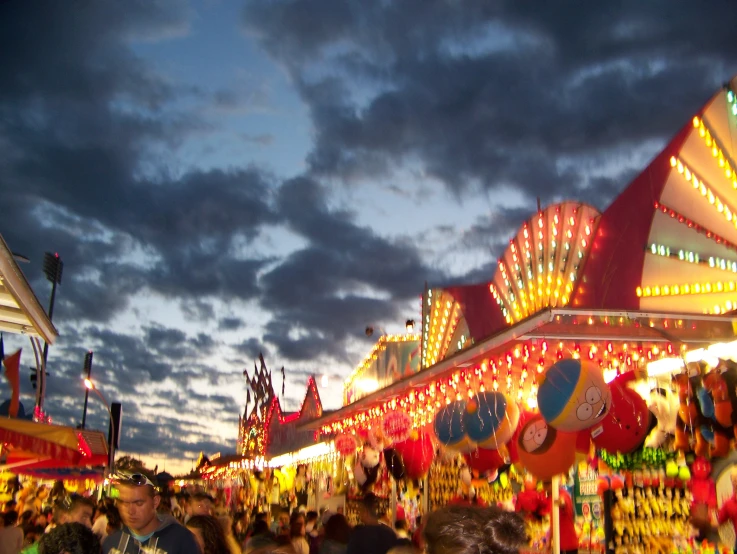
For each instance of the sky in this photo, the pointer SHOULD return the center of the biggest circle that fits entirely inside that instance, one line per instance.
(223, 178)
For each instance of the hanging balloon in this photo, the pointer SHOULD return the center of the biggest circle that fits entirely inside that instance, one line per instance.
(483, 460)
(524, 417)
(545, 451)
(417, 453)
(573, 395)
(490, 419)
(449, 427)
(394, 464)
(396, 426)
(627, 424)
(346, 445)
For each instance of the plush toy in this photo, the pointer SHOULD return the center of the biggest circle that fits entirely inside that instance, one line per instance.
(663, 404)
(690, 420)
(704, 492)
(721, 384)
(530, 502)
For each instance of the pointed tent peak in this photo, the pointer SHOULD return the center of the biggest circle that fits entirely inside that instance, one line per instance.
(656, 236)
(312, 401)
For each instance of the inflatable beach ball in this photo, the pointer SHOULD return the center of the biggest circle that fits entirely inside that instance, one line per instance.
(490, 419)
(449, 428)
(573, 395)
(543, 450)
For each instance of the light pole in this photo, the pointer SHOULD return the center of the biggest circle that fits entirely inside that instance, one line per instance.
(53, 269)
(88, 369)
(111, 447)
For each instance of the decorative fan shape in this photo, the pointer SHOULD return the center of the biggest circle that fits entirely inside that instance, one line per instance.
(544, 260)
(444, 329)
(691, 251)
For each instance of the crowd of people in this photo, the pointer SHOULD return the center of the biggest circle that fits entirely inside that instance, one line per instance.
(140, 520)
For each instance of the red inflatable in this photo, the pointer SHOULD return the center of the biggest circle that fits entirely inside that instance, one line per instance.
(627, 424)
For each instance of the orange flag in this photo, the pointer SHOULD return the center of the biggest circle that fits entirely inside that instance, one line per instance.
(12, 372)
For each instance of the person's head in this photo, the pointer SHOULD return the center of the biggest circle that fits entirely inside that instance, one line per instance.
(209, 534)
(368, 511)
(201, 504)
(283, 519)
(11, 505)
(10, 518)
(297, 525)
(338, 529)
(474, 530)
(137, 502)
(74, 508)
(260, 527)
(69, 538)
(400, 525)
(310, 520)
(42, 493)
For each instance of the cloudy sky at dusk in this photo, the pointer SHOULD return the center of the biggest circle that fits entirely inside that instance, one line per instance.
(223, 178)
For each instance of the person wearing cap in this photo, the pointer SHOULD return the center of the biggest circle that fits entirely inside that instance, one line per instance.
(143, 527)
(371, 537)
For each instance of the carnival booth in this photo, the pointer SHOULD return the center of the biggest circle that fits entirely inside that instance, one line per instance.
(277, 464)
(598, 359)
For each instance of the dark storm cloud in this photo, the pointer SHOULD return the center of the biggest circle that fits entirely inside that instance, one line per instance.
(85, 127)
(492, 94)
(327, 292)
(230, 323)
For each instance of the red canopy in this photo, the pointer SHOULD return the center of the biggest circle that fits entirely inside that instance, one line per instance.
(38, 448)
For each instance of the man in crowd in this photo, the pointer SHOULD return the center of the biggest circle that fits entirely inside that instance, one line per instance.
(138, 500)
(372, 537)
(201, 504)
(74, 508)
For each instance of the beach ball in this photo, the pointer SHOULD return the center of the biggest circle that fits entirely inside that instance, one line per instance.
(545, 451)
(490, 419)
(573, 395)
(449, 428)
(627, 424)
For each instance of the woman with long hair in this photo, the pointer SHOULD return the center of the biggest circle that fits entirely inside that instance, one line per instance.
(209, 534)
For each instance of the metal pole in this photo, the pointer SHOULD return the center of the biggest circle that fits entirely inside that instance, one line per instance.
(88, 368)
(41, 371)
(555, 523)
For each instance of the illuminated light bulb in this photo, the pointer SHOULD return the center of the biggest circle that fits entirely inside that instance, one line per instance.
(639, 291)
(696, 121)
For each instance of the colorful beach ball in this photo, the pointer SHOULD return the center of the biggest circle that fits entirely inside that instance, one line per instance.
(573, 395)
(449, 428)
(490, 419)
(543, 450)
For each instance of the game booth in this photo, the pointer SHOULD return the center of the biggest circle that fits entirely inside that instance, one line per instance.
(598, 363)
(30, 445)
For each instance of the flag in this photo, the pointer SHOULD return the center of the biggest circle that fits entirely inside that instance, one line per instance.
(12, 372)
